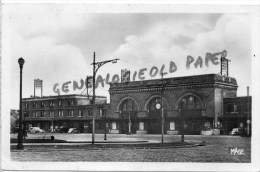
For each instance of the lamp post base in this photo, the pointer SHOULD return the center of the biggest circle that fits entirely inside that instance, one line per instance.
(20, 146)
(182, 138)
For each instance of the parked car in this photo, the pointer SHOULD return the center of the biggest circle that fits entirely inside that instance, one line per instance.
(73, 130)
(238, 131)
(234, 131)
(61, 129)
(35, 130)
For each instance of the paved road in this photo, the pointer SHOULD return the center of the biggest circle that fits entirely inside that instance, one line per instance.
(217, 149)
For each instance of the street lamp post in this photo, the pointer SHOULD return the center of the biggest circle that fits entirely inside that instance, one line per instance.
(96, 66)
(20, 132)
(162, 110)
(105, 137)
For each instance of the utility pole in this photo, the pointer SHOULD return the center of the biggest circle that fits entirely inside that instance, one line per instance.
(96, 66)
(162, 110)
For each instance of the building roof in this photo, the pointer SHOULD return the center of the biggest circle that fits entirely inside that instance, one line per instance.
(68, 96)
(207, 80)
(241, 98)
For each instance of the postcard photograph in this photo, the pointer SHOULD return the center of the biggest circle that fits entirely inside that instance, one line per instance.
(129, 87)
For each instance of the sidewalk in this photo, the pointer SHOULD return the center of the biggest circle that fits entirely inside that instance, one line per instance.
(110, 138)
(84, 141)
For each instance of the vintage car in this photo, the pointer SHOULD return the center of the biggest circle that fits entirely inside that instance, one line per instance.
(73, 130)
(33, 130)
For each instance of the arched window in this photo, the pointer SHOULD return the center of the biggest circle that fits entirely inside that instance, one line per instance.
(128, 105)
(60, 103)
(191, 102)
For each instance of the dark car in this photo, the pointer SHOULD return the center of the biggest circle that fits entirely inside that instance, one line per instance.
(62, 129)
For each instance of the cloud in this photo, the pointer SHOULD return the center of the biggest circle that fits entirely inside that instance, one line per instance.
(58, 41)
(45, 60)
(170, 40)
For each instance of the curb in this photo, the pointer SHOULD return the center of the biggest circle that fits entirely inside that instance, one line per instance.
(112, 148)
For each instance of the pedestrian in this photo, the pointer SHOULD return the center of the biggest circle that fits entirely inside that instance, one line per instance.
(24, 133)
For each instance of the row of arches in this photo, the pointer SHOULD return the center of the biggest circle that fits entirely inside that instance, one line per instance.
(186, 101)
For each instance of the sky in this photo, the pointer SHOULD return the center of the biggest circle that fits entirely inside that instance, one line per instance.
(57, 42)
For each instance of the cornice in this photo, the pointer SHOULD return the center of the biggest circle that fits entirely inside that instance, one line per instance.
(223, 86)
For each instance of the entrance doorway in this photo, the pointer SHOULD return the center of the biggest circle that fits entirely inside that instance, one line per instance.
(155, 123)
(191, 113)
(128, 109)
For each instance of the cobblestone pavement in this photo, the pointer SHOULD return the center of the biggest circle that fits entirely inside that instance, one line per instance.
(217, 149)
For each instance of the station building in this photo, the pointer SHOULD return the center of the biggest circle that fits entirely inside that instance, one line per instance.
(198, 99)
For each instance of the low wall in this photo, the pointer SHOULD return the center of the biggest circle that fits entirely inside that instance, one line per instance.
(172, 132)
(141, 132)
(114, 131)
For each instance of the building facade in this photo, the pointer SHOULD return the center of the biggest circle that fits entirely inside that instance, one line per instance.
(199, 104)
(236, 114)
(71, 111)
(198, 100)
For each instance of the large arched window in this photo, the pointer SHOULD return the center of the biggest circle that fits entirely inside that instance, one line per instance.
(192, 111)
(128, 105)
(192, 106)
(190, 102)
(128, 108)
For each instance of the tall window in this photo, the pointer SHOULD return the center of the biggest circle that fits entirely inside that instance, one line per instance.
(51, 114)
(235, 108)
(42, 114)
(102, 112)
(51, 104)
(26, 105)
(191, 102)
(80, 113)
(34, 115)
(128, 105)
(71, 113)
(70, 102)
(60, 103)
(42, 104)
(89, 112)
(60, 113)
(35, 105)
